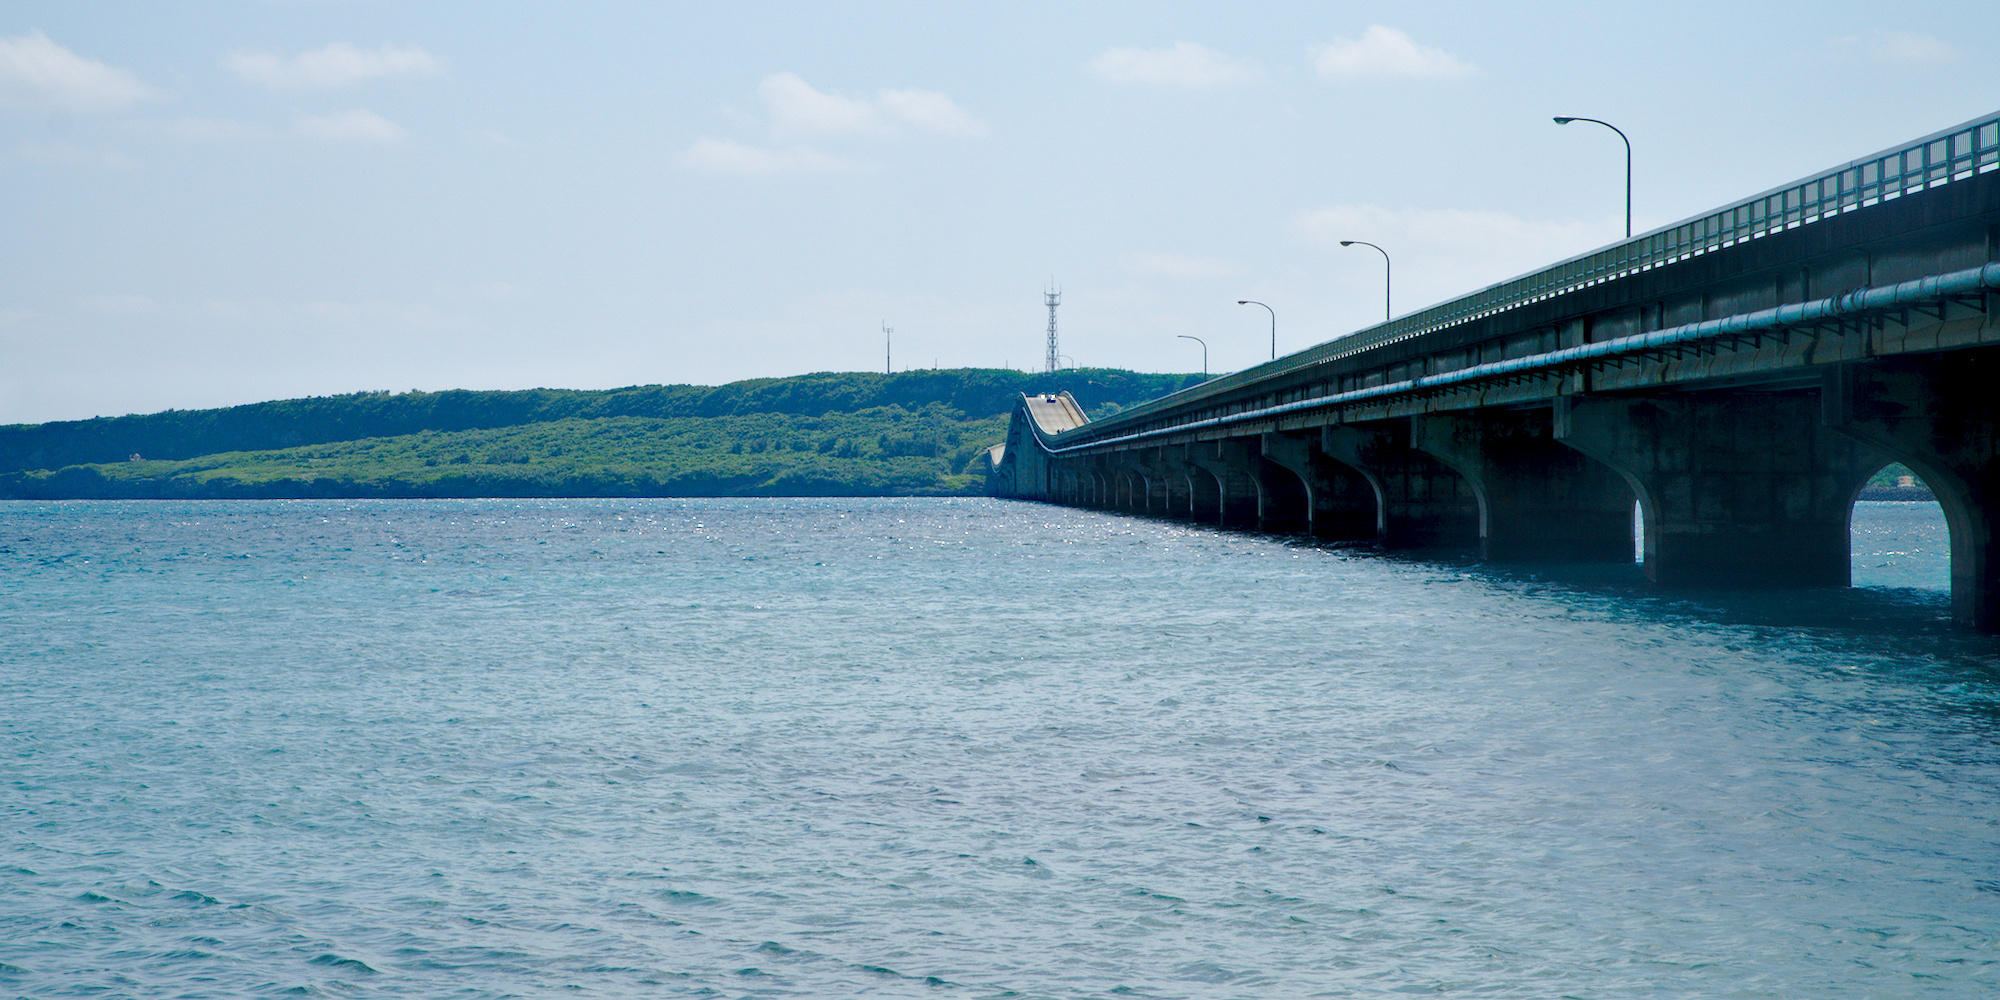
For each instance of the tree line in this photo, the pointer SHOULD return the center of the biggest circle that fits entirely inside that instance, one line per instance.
(826, 434)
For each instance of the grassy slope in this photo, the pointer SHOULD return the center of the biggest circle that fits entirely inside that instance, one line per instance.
(831, 434)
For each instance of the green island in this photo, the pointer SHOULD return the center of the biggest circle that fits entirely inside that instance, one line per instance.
(915, 433)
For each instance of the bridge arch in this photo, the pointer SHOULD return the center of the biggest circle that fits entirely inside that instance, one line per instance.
(1910, 510)
(1421, 502)
(1127, 489)
(1284, 499)
(1204, 495)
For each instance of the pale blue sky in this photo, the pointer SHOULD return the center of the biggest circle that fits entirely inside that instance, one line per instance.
(223, 202)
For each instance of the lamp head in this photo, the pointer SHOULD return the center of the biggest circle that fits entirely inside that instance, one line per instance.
(1347, 243)
(1564, 121)
(1242, 302)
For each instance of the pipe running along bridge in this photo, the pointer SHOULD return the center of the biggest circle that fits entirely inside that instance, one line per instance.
(1739, 376)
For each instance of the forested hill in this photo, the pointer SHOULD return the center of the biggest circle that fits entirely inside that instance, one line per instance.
(833, 433)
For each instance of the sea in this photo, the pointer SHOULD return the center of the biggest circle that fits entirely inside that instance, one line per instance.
(966, 748)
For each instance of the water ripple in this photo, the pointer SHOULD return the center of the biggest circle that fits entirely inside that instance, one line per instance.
(963, 749)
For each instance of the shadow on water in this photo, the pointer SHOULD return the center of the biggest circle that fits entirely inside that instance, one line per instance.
(1897, 614)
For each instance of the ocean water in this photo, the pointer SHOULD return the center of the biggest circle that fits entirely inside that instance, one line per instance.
(965, 749)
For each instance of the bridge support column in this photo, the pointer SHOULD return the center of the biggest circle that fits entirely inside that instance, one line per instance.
(1180, 484)
(1421, 502)
(1107, 478)
(1128, 485)
(1284, 499)
(1942, 419)
(1339, 502)
(1538, 501)
(1168, 486)
(1235, 471)
(1742, 489)
(1095, 491)
(1204, 484)
(1063, 481)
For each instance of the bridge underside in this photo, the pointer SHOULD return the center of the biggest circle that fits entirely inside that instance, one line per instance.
(1734, 488)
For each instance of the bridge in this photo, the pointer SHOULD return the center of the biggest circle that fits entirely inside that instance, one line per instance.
(1738, 376)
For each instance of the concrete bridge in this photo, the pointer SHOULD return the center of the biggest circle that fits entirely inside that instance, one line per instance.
(1739, 376)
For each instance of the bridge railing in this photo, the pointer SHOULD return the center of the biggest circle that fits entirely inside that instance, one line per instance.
(1940, 158)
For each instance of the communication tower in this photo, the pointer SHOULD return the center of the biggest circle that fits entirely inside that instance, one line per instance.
(1054, 299)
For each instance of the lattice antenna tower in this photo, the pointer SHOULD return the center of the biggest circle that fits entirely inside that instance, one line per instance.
(1054, 299)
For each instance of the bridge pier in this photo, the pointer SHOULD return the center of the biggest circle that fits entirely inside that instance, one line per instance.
(1060, 482)
(1159, 489)
(1131, 489)
(1738, 489)
(1339, 502)
(1204, 486)
(1538, 500)
(1079, 480)
(1235, 471)
(1284, 498)
(1175, 487)
(1096, 485)
(1179, 504)
(1423, 503)
(1942, 419)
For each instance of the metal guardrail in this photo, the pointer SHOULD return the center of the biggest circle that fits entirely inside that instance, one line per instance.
(1939, 158)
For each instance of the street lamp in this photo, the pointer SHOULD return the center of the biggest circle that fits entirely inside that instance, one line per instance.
(1274, 323)
(1204, 352)
(1386, 273)
(1628, 164)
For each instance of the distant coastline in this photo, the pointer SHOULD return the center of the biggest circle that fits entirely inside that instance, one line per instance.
(1878, 492)
(830, 434)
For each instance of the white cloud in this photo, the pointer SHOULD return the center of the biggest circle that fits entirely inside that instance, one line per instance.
(798, 110)
(1386, 53)
(1455, 250)
(350, 126)
(1180, 266)
(1184, 65)
(1896, 46)
(931, 111)
(723, 156)
(38, 74)
(336, 65)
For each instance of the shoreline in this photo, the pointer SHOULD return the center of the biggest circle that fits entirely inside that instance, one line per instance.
(1905, 493)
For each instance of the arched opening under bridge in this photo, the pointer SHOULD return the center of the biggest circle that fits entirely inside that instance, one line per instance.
(1898, 534)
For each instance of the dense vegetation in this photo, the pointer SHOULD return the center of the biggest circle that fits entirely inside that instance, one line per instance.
(829, 434)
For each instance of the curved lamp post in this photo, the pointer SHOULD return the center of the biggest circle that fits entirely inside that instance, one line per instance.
(1628, 164)
(1204, 352)
(1274, 323)
(1386, 272)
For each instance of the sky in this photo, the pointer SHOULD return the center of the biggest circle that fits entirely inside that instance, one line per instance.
(212, 203)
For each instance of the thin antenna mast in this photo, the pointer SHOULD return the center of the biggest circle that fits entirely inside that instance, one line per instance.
(1054, 299)
(886, 331)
